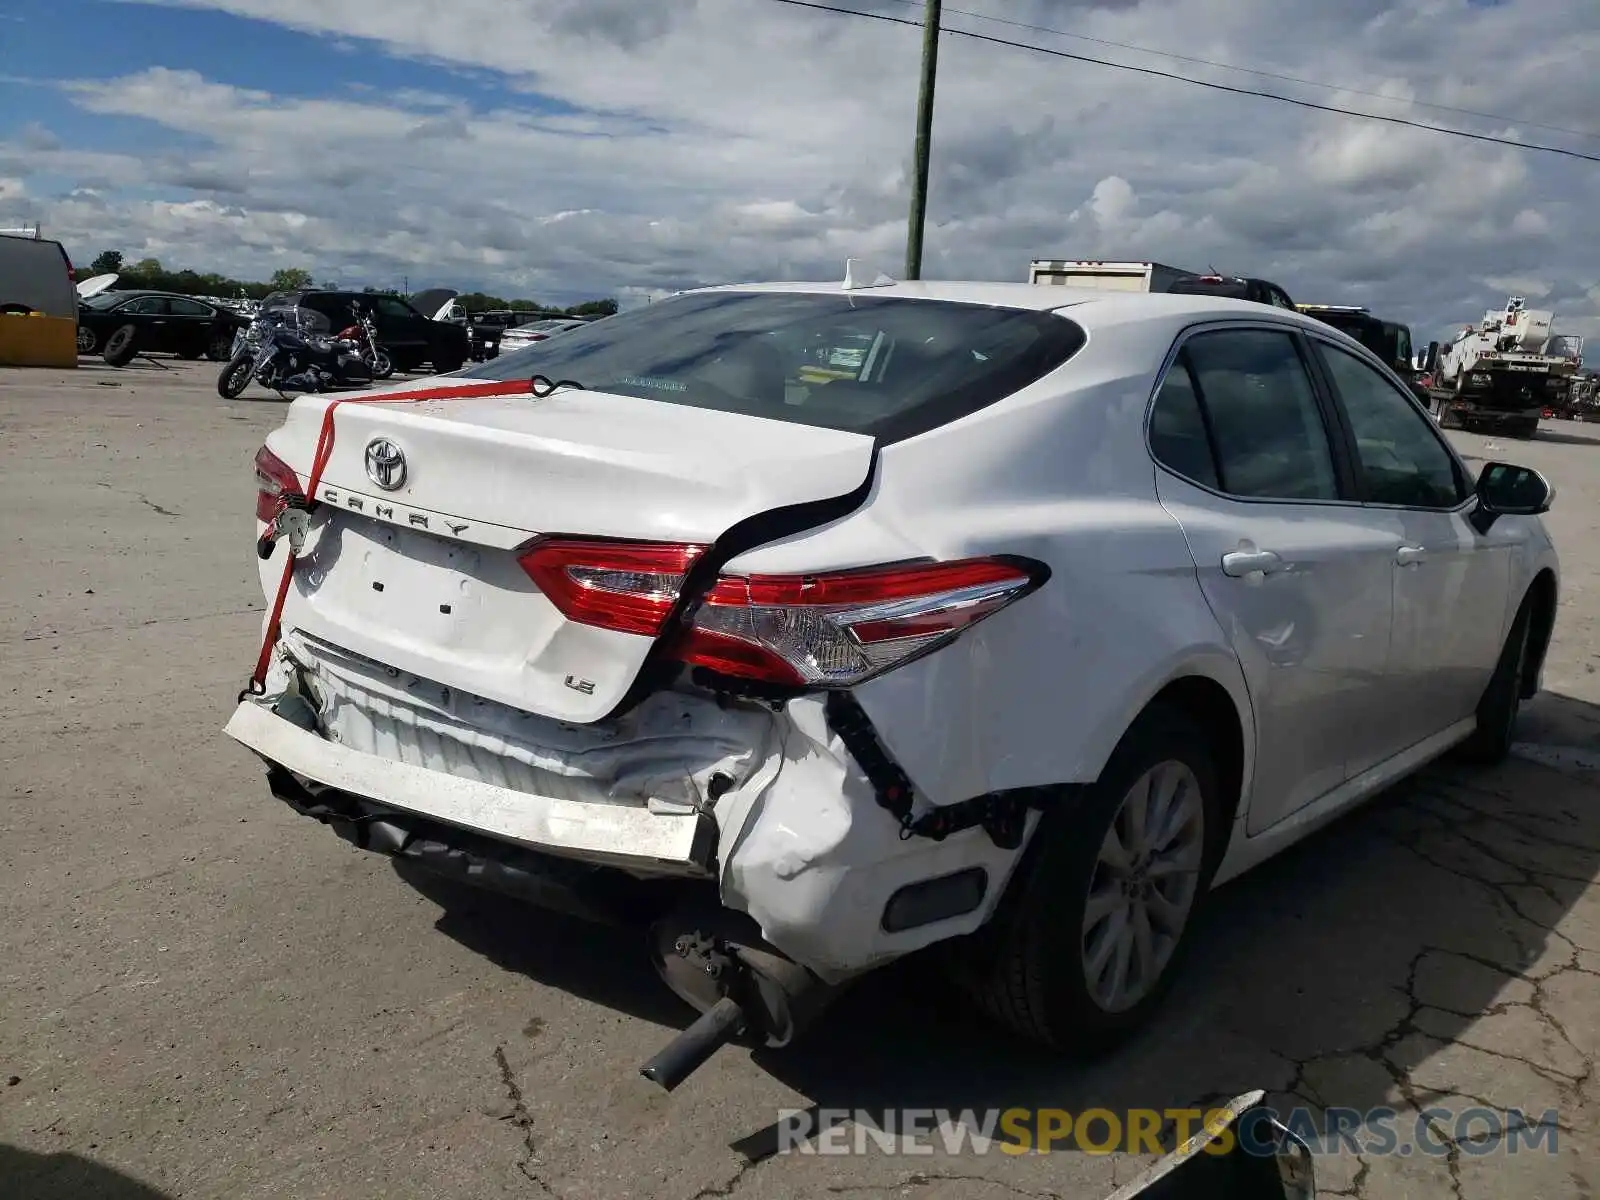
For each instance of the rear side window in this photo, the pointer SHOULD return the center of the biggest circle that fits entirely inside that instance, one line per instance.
(887, 366)
(1178, 429)
(1258, 414)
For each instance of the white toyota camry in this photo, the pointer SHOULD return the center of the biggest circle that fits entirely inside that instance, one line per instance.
(813, 625)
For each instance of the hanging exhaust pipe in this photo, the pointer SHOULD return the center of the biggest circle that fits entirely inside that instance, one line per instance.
(685, 1054)
(717, 962)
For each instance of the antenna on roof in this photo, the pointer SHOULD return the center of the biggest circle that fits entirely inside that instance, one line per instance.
(854, 277)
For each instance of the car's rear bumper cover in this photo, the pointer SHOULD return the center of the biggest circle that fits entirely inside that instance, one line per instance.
(615, 834)
(799, 842)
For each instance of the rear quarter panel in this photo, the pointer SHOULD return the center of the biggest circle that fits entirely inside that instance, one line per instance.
(1040, 693)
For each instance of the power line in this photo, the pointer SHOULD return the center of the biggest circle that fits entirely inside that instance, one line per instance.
(1204, 83)
(1222, 66)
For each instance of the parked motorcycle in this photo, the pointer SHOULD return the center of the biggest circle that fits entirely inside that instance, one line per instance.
(362, 338)
(292, 351)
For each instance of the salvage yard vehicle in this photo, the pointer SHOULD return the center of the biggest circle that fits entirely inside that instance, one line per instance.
(146, 322)
(520, 337)
(1258, 291)
(1063, 609)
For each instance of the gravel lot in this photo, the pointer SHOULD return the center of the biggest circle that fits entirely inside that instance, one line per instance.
(208, 996)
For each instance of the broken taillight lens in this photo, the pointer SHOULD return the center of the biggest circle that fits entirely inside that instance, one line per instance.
(629, 587)
(276, 484)
(841, 629)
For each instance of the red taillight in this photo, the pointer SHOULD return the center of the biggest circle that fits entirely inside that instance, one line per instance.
(835, 629)
(629, 587)
(840, 629)
(276, 482)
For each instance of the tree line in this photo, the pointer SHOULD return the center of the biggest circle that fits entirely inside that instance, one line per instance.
(149, 273)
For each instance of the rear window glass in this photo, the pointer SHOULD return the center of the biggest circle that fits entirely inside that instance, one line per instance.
(887, 366)
(1229, 289)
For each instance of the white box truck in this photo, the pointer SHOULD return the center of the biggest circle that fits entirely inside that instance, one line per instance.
(1104, 276)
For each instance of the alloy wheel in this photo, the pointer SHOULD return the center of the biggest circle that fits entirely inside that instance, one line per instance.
(1143, 886)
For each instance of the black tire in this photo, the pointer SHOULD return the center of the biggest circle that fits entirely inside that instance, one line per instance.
(444, 364)
(220, 348)
(191, 355)
(1026, 967)
(88, 340)
(121, 346)
(235, 377)
(1523, 430)
(1497, 712)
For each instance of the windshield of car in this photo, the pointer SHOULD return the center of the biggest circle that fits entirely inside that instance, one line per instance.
(886, 366)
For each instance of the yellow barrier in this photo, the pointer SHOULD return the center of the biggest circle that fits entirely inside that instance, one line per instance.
(35, 340)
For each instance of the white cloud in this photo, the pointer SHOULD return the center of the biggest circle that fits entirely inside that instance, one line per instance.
(647, 148)
(1519, 286)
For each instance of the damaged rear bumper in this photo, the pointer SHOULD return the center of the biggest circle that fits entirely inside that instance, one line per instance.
(767, 810)
(627, 836)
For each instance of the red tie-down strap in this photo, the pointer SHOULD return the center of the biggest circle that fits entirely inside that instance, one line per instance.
(537, 386)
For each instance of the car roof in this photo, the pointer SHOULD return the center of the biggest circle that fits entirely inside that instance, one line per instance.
(1089, 307)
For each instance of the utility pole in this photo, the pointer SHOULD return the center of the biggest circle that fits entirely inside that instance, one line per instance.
(919, 185)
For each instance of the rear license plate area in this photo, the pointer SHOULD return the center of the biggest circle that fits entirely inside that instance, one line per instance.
(405, 584)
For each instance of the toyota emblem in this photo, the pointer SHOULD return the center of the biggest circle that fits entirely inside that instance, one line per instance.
(386, 464)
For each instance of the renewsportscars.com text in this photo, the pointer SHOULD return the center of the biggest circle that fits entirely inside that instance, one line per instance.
(1432, 1132)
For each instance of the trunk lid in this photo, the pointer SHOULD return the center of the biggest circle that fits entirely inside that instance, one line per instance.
(423, 576)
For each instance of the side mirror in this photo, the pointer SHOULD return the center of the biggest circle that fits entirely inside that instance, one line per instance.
(1506, 490)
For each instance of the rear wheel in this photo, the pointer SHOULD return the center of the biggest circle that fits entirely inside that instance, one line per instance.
(1502, 699)
(220, 348)
(235, 377)
(1523, 430)
(190, 354)
(444, 364)
(1088, 938)
(121, 346)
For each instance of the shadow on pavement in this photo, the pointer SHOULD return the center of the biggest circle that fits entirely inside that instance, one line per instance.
(28, 1176)
(1334, 975)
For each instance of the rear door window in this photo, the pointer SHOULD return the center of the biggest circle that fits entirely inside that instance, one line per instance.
(888, 366)
(1264, 420)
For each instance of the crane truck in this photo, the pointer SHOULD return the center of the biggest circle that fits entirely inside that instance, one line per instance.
(1505, 371)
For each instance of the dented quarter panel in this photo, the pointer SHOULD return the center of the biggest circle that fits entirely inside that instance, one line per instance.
(814, 859)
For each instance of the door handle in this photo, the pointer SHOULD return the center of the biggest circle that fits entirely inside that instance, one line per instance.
(1410, 556)
(1246, 562)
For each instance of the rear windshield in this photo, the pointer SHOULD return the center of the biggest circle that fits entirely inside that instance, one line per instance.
(1228, 289)
(887, 366)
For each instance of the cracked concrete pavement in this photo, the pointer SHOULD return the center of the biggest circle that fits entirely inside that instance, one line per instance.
(207, 996)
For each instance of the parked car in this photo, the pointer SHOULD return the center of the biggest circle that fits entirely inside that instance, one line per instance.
(1232, 287)
(35, 276)
(520, 337)
(1053, 615)
(163, 322)
(485, 330)
(409, 338)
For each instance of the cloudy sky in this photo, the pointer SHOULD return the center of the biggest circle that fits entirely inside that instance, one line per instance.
(563, 149)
